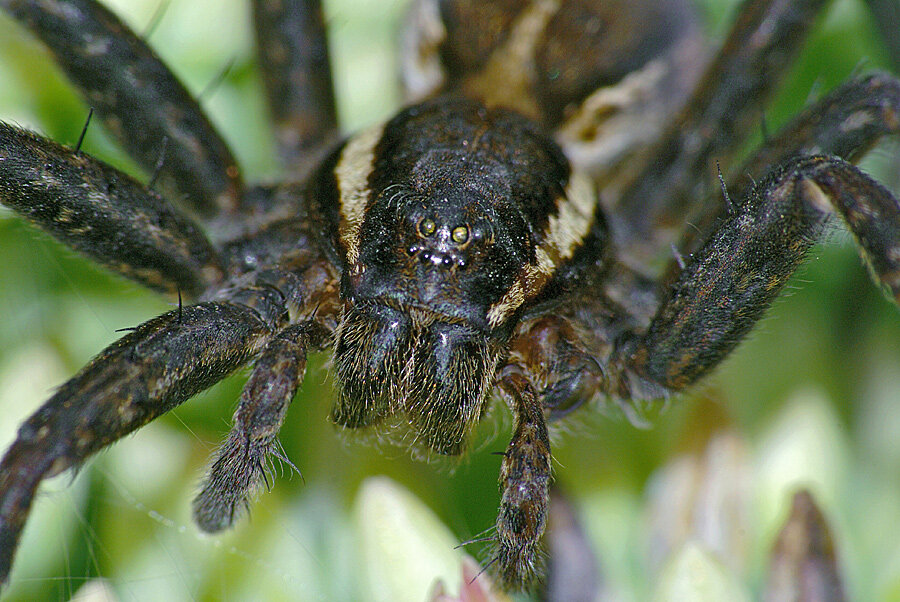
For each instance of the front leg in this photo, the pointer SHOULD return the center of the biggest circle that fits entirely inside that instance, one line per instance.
(146, 373)
(293, 55)
(846, 123)
(239, 467)
(139, 99)
(733, 278)
(766, 35)
(105, 214)
(524, 484)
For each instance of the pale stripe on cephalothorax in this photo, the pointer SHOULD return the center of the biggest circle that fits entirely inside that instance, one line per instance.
(352, 172)
(564, 233)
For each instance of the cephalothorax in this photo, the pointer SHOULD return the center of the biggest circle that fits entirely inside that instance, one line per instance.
(442, 245)
(458, 249)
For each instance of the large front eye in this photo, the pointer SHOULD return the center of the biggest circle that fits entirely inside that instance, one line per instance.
(427, 227)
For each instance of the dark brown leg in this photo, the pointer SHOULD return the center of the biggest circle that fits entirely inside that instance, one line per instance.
(136, 379)
(293, 54)
(141, 102)
(103, 213)
(548, 374)
(240, 465)
(524, 485)
(739, 270)
(846, 122)
(758, 51)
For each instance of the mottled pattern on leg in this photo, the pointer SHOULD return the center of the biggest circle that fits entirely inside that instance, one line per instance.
(141, 102)
(104, 214)
(525, 488)
(725, 106)
(733, 278)
(144, 374)
(293, 52)
(240, 466)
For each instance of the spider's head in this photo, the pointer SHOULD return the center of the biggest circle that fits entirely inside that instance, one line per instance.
(446, 242)
(415, 337)
(451, 220)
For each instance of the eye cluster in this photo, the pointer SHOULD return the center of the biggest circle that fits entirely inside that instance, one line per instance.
(447, 243)
(427, 228)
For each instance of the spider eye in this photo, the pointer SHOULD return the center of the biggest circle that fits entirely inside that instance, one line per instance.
(460, 234)
(427, 226)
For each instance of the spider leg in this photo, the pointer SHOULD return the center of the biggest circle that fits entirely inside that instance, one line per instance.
(146, 373)
(743, 265)
(758, 51)
(139, 99)
(293, 52)
(103, 213)
(846, 122)
(548, 373)
(524, 484)
(239, 467)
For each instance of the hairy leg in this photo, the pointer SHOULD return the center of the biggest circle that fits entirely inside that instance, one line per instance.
(105, 214)
(141, 102)
(846, 122)
(726, 105)
(240, 465)
(293, 53)
(524, 485)
(730, 281)
(144, 374)
(548, 374)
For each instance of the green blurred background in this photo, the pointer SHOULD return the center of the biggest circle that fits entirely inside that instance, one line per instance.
(812, 395)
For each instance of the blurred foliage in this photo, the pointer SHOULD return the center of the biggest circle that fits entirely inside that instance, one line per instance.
(811, 395)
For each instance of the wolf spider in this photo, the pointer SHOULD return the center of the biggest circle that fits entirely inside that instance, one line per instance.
(498, 236)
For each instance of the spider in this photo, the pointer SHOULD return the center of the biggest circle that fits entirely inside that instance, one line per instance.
(454, 253)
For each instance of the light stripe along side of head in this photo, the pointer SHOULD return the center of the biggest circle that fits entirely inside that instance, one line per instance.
(352, 172)
(565, 232)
